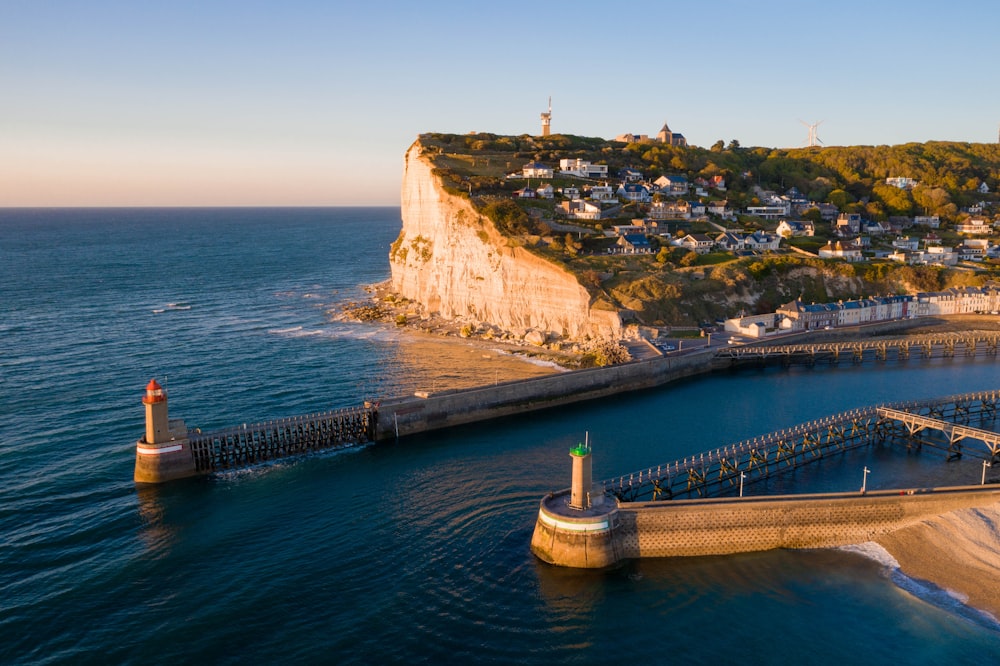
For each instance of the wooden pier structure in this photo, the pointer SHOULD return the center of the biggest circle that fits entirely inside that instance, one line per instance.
(944, 345)
(723, 470)
(169, 450)
(254, 443)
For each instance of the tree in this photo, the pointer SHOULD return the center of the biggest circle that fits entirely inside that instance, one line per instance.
(718, 146)
(840, 199)
(689, 259)
(813, 215)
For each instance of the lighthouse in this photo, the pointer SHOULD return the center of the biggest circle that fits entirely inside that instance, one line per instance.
(157, 423)
(164, 452)
(582, 478)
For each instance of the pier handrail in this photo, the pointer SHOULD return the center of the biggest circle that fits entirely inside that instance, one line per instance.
(700, 462)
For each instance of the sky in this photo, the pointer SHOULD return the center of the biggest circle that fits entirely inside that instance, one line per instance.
(314, 102)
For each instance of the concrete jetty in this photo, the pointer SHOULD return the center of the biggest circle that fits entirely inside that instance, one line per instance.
(593, 527)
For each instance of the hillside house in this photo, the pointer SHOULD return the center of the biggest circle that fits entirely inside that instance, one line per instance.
(579, 209)
(583, 168)
(973, 249)
(699, 243)
(930, 221)
(634, 192)
(602, 193)
(975, 226)
(729, 241)
(790, 228)
(847, 224)
(571, 192)
(762, 242)
(770, 212)
(545, 192)
(670, 210)
(839, 250)
(536, 170)
(721, 208)
(634, 244)
(672, 186)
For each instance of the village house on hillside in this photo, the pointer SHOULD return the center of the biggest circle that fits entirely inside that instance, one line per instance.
(579, 209)
(536, 170)
(583, 168)
(839, 250)
(792, 228)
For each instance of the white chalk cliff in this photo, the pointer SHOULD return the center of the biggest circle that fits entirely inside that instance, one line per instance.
(455, 263)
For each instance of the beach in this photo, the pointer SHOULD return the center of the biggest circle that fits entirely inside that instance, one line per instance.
(958, 551)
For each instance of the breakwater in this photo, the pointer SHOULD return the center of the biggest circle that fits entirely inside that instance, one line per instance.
(450, 408)
(614, 523)
(721, 526)
(185, 453)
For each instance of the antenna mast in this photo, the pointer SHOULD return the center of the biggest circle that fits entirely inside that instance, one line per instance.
(547, 120)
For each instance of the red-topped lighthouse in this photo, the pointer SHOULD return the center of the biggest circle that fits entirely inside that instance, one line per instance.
(157, 423)
(164, 453)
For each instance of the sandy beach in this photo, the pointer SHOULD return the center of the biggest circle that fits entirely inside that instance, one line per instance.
(958, 551)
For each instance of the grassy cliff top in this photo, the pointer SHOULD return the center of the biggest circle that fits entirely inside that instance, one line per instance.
(674, 286)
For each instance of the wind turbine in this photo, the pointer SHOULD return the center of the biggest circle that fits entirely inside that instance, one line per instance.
(813, 140)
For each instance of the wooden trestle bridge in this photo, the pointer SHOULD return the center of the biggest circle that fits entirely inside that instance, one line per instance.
(249, 444)
(716, 472)
(940, 345)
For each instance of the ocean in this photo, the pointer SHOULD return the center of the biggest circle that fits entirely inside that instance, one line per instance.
(410, 551)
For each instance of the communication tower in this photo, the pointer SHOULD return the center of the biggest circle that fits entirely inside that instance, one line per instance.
(547, 120)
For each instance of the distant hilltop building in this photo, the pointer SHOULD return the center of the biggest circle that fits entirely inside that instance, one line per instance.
(902, 182)
(547, 120)
(671, 138)
(665, 136)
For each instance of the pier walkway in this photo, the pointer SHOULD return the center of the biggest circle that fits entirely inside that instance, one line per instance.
(248, 444)
(944, 345)
(723, 470)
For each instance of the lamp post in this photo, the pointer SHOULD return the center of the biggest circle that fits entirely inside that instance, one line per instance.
(864, 481)
(986, 463)
(742, 476)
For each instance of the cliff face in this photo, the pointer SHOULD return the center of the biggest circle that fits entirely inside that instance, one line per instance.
(454, 262)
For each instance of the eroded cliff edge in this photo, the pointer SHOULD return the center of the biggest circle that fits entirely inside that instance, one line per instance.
(455, 263)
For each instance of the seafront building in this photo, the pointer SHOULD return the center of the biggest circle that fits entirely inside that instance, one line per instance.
(797, 317)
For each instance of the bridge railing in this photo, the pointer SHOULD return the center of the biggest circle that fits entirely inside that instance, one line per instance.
(725, 468)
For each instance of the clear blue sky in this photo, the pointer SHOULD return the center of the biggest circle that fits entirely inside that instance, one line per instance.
(304, 102)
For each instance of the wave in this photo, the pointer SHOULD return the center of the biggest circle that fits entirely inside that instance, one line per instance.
(542, 363)
(940, 597)
(172, 307)
(296, 332)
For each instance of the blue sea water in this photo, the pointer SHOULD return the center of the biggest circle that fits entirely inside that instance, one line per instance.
(411, 551)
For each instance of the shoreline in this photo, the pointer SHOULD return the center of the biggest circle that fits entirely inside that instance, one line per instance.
(958, 551)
